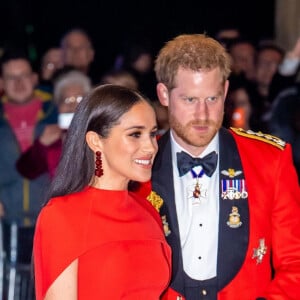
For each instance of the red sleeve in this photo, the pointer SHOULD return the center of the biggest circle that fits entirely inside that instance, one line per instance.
(274, 201)
(286, 232)
(56, 244)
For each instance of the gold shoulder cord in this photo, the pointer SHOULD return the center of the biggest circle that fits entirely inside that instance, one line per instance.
(267, 138)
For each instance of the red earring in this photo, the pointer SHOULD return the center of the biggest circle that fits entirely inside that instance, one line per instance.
(98, 165)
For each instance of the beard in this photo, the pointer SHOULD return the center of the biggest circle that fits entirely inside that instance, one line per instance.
(190, 136)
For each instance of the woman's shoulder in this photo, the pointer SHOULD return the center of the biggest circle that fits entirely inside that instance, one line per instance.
(65, 210)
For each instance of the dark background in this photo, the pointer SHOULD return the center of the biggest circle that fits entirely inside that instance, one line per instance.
(39, 24)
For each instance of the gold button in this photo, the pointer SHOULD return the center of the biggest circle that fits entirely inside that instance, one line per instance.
(204, 292)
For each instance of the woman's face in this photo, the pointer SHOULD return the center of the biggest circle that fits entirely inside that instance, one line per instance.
(129, 150)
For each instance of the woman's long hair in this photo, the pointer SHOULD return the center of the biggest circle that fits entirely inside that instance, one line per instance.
(99, 111)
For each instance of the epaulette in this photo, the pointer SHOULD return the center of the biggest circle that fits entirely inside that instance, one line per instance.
(155, 200)
(267, 138)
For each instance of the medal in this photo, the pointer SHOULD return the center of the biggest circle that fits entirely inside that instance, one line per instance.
(233, 189)
(259, 252)
(234, 220)
(197, 191)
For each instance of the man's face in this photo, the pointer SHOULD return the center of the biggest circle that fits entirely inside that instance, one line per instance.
(243, 56)
(52, 61)
(77, 51)
(196, 107)
(18, 81)
(268, 61)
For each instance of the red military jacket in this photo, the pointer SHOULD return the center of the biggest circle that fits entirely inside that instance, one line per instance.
(269, 210)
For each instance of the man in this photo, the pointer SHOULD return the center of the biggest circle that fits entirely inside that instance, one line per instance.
(77, 50)
(228, 216)
(243, 54)
(51, 63)
(24, 112)
(268, 60)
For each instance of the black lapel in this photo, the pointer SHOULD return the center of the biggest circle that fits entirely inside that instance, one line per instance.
(233, 239)
(162, 184)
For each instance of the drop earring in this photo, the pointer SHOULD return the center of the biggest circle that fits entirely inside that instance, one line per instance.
(98, 165)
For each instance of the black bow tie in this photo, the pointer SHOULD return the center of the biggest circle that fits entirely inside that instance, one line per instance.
(185, 163)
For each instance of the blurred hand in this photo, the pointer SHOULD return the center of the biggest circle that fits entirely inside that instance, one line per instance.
(51, 134)
(295, 52)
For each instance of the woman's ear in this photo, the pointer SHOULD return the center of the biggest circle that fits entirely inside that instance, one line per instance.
(93, 140)
(162, 94)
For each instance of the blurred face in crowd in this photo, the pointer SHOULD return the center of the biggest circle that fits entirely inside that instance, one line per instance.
(143, 63)
(196, 107)
(52, 61)
(268, 61)
(77, 51)
(18, 80)
(243, 59)
(238, 108)
(70, 98)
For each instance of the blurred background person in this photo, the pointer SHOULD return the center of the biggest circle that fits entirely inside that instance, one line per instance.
(120, 77)
(51, 62)
(137, 59)
(44, 155)
(287, 74)
(243, 54)
(24, 113)
(239, 105)
(227, 35)
(78, 51)
(285, 120)
(269, 57)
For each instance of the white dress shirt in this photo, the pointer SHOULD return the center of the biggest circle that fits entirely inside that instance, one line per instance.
(198, 218)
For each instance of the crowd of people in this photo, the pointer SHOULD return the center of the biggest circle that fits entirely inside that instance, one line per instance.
(223, 179)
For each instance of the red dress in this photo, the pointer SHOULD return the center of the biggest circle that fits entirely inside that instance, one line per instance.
(117, 238)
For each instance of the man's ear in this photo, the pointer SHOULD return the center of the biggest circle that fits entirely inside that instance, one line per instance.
(226, 86)
(93, 140)
(162, 94)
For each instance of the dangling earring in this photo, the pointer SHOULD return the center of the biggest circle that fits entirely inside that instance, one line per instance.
(98, 165)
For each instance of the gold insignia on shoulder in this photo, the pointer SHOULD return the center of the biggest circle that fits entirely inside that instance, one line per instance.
(155, 200)
(268, 138)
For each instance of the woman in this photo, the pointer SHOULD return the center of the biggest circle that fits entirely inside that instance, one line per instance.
(96, 238)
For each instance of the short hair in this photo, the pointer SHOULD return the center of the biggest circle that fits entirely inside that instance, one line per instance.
(13, 54)
(77, 31)
(120, 77)
(190, 51)
(67, 79)
(99, 111)
(270, 46)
